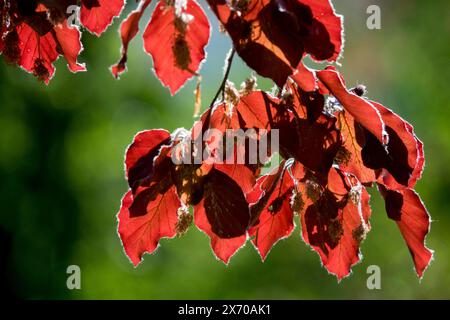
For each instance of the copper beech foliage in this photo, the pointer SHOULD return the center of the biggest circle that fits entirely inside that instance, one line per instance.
(34, 33)
(334, 141)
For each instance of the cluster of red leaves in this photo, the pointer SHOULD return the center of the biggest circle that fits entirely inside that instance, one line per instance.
(34, 33)
(334, 141)
(175, 37)
(278, 32)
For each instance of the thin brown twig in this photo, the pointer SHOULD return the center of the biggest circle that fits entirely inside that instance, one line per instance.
(225, 76)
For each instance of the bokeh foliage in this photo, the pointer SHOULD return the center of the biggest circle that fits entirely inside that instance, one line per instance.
(61, 171)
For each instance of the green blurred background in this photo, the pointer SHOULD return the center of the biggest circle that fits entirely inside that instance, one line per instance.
(61, 171)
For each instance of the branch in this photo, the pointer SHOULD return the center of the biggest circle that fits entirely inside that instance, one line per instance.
(225, 76)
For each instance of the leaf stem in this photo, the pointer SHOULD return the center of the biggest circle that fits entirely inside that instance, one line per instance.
(227, 69)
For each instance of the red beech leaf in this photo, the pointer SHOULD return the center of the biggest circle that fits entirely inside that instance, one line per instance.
(272, 210)
(225, 205)
(362, 110)
(38, 52)
(254, 109)
(306, 133)
(217, 123)
(349, 155)
(336, 223)
(326, 34)
(406, 208)
(141, 233)
(141, 153)
(405, 159)
(314, 144)
(305, 78)
(226, 125)
(260, 110)
(279, 33)
(240, 173)
(128, 30)
(221, 117)
(69, 45)
(176, 38)
(223, 249)
(97, 15)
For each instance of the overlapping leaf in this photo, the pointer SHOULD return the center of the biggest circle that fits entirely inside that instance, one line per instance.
(97, 15)
(176, 38)
(329, 147)
(35, 33)
(271, 212)
(407, 209)
(337, 221)
(403, 158)
(280, 33)
(145, 219)
(128, 30)
(140, 156)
